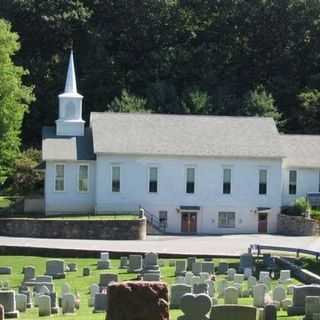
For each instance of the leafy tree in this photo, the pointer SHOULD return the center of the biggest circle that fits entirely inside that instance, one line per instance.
(309, 116)
(14, 99)
(25, 180)
(260, 103)
(128, 103)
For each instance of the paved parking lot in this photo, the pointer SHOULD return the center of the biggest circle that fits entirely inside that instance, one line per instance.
(191, 245)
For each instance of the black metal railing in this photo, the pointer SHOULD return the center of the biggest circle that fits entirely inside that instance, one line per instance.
(158, 224)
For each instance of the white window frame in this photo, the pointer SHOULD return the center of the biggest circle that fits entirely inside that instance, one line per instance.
(267, 181)
(88, 177)
(226, 226)
(148, 178)
(114, 165)
(293, 194)
(186, 179)
(231, 179)
(55, 177)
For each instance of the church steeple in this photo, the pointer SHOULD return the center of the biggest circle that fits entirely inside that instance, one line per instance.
(71, 82)
(70, 121)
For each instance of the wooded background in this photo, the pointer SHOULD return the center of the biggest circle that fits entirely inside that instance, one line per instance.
(221, 57)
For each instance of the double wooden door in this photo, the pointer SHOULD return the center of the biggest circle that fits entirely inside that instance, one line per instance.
(188, 222)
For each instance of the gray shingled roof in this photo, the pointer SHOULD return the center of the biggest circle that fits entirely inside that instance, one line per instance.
(185, 135)
(66, 148)
(301, 150)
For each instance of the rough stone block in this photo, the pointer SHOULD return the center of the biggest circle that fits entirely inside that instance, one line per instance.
(143, 300)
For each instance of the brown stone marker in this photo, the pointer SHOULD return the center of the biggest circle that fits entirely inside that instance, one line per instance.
(138, 301)
(1, 312)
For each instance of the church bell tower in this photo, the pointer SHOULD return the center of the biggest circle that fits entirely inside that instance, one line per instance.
(70, 121)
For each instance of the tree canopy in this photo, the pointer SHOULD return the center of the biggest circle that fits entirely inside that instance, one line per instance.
(232, 57)
(14, 99)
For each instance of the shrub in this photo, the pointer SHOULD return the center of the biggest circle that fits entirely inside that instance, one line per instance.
(300, 208)
(24, 179)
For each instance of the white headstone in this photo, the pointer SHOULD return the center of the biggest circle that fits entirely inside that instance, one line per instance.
(231, 295)
(44, 305)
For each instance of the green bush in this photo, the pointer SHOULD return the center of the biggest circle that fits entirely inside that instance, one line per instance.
(25, 180)
(300, 208)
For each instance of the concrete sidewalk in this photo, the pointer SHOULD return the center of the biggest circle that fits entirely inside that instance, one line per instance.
(226, 245)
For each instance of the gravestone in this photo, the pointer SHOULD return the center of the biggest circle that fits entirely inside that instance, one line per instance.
(223, 267)
(221, 286)
(29, 273)
(72, 267)
(1, 312)
(29, 297)
(151, 263)
(286, 303)
(188, 277)
(181, 267)
(196, 268)
(135, 263)
(230, 274)
(267, 282)
(68, 303)
(38, 285)
(21, 302)
(100, 302)
(55, 268)
(231, 295)
(312, 306)
(259, 292)
(195, 307)
(299, 296)
(151, 277)
(53, 301)
(208, 267)
(124, 262)
(180, 280)
(204, 277)
(200, 288)
(290, 289)
(107, 278)
(44, 290)
(86, 271)
(177, 291)
(246, 261)
(279, 294)
(211, 289)
(138, 300)
(7, 299)
(263, 275)
(104, 262)
(238, 278)
(270, 312)
(104, 256)
(5, 270)
(285, 276)
(44, 305)
(94, 289)
(65, 289)
(247, 272)
(195, 280)
(190, 262)
(233, 312)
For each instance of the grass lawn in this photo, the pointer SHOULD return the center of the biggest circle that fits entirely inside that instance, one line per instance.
(81, 284)
(95, 217)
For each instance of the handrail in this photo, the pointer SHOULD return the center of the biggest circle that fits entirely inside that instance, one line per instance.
(259, 248)
(154, 220)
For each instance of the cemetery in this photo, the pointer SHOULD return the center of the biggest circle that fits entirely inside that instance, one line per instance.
(188, 288)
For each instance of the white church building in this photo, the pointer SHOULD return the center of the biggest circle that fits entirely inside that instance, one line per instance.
(193, 174)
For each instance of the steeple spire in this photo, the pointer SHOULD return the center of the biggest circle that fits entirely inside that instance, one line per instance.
(71, 82)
